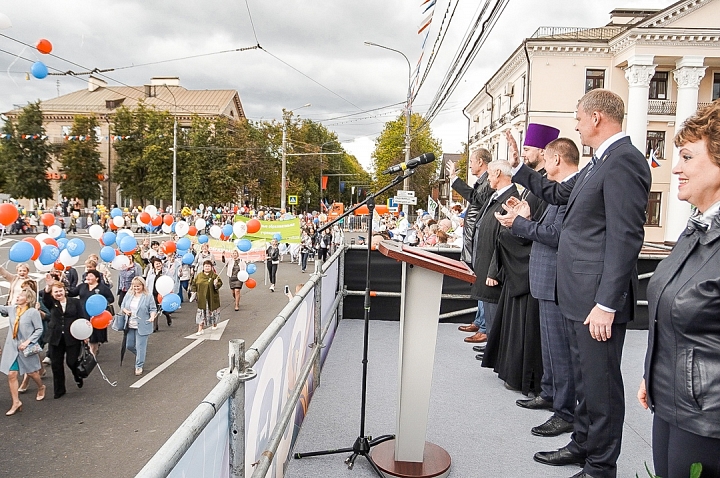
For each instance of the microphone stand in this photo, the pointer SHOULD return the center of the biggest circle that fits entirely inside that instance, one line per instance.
(363, 443)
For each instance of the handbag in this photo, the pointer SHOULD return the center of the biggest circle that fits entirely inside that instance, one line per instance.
(86, 362)
(119, 322)
(32, 349)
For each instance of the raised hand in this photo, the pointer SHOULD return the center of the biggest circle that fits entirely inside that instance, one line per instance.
(514, 154)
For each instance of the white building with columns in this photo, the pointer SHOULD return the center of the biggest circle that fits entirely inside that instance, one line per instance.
(663, 63)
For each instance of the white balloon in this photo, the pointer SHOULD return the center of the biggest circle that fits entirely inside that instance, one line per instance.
(41, 237)
(126, 231)
(42, 267)
(201, 206)
(139, 221)
(119, 221)
(64, 257)
(166, 229)
(243, 276)
(120, 262)
(73, 260)
(5, 22)
(81, 329)
(181, 228)
(96, 231)
(215, 231)
(239, 229)
(164, 285)
(152, 210)
(54, 231)
(200, 224)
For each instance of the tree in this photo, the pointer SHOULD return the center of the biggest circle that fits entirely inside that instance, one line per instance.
(461, 167)
(80, 161)
(390, 150)
(25, 155)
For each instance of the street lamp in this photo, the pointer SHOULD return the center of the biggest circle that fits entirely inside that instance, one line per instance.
(283, 174)
(321, 167)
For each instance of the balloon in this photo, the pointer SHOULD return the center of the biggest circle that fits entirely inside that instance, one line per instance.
(277, 236)
(41, 238)
(5, 22)
(95, 304)
(156, 221)
(116, 212)
(62, 243)
(168, 219)
(170, 303)
(36, 247)
(192, 230)
(102, 320)
(21, 252)
(199, 223)
(48, 254)
(120, 263)
(227, 230)
(215, 232)
(244, 245)
(184, 243)
(164, 285)
(144, 218)
(181, 228)
(48, 219)
(250, 283)
(66, 259)
(81, 329)
(203, 239)
(243, 276)
(253, 226)
(251, 268)
(54, 231)
(39, 70)
(57, 265)
(8, 214)
(62, 234)
(95, 231)
(107, 254)
(166, 229)
(239, 229)
(127, 232)
(188, 258)
(42, 267)
(168, 247)
(75, 247)
(44, 46)
(50, 242)
(127, 244)
(152, 210)
(118, 221)
(109, 238)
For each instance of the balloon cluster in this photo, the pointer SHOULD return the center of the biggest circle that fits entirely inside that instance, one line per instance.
(38, 69)
(100, 318)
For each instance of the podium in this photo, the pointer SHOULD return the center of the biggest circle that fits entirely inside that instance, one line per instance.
(409, 455)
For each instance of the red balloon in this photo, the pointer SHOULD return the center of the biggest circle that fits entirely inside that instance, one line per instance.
(36, 246)
(168, 219)
(58, 266)
(48, 219)
(168, 247)
(44, 46)
(8, 214)
(145, 218)
(250, 283)
(192, 230)
(156, 221)
(50, 241)
(159, 298)
(117, 252)
(129, 253)
(112, 225)
(101, 321)
(253, 226)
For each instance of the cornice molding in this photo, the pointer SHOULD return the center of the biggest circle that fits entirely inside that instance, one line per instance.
(510, 67)
(675, 14)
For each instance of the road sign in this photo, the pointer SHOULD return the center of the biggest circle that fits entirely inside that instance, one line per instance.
(405, 200)
(406, 194)
(392, 205)
(292, 200)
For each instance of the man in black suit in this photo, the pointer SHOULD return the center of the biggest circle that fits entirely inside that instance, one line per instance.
(602, 234)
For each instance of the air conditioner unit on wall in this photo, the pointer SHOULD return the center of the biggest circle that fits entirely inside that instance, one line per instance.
(476, 118)
(488, 107)
(509, 89)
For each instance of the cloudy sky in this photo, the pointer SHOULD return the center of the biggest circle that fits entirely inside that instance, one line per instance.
(313, 52)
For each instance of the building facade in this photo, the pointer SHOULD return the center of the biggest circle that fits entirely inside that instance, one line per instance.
(663, 63)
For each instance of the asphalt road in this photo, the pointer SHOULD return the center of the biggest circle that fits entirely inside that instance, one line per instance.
(101, 430)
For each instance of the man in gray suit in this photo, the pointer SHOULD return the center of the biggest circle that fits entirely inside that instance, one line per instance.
(602, 234)
(557, 385)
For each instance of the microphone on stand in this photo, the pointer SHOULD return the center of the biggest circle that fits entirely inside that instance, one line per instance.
(412, 164)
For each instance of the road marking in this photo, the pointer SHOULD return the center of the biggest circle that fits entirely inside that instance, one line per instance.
(211, 334)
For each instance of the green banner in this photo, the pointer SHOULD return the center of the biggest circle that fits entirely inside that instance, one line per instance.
(289, 230)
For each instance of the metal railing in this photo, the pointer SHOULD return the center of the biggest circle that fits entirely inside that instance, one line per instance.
(574, 33)
(661, 107)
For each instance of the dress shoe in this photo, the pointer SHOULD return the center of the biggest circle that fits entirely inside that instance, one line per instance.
(58, 394)
(560, 457)
(478, 338)
(479, 348)
(581, 474)
(469, 328)
(79, 382)
(537, 403)
(510, 387)
(14, 409)
(479, 356)
(553, 427)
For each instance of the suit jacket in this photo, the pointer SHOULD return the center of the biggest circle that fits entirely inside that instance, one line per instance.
(485, 262)
(602, 232)
(146, 307)
(29, 328)
(545, 235)
(477, 197)
(59, 322)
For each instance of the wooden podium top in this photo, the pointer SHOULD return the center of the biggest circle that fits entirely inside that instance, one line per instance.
(427, 260)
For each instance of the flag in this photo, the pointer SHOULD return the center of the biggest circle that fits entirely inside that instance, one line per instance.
(432, 207)
(654, 160)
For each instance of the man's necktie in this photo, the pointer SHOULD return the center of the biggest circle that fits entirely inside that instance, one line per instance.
(593, 163)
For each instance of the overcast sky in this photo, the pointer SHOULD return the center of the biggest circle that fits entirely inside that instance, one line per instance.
(322, 38)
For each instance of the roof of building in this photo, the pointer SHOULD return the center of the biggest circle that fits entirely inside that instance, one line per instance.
(570, 33)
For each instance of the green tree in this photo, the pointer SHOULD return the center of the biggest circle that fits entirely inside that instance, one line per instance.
(461, 167)
(390, 150)
(80, 161)
(25, 155)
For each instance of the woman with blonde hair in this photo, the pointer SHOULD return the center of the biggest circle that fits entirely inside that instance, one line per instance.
(140, 309)
(16, 280)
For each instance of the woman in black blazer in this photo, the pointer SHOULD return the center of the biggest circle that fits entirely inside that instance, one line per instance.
(682, 365)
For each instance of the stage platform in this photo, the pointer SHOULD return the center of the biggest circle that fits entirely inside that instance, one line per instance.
(472, 415)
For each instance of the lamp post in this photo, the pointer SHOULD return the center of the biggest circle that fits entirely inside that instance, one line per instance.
(174, 150)
(283, 173)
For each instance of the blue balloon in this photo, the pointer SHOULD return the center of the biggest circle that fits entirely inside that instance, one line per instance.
(62, 243)
(188, 258)
(21, 251)
(203, 239)
(39, 71)
(48, 254)
(95, 304)
(172, 227)
(227, 230)
(75, 247)
(109, 238)
(171, 303)
(127, 244)
(251, 268)
(277, 236)
(116, 212)
(107, 254)
(184, 243)
(62, 234)
(148, 228)
(244, 245)
(181, 252)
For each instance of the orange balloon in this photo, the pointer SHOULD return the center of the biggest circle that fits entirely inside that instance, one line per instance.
(101, 321)
(50, 241)
(250, 283)
(253, 226)
(48, 219)
(8, 214)
(36, 246)
(58, 266)
(129, 253)
(145, 218)
(168, 247)
(156, 221)
(192, 230)
(44, 46)
(112, 225)
(117, 252)
(159, 298)
(168, 219)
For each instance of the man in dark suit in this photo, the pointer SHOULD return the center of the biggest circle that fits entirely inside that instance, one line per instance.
(602, 234)
(557, 385)
(477, 197)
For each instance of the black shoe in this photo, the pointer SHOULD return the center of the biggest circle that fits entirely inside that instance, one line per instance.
(59, 394)
(79, 382)
(169, 320)
(560, 457)
(553, 427)
(581, 474)
(479, 348)
(537, 403)
(480, 356)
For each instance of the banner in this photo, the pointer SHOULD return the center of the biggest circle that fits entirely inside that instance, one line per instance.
(289, 230)
(324, 182)
(432, 207)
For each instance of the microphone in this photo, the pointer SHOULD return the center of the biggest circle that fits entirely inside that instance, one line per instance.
(412, 164)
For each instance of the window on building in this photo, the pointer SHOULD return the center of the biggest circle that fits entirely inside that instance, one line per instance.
(522, 89)
(594, 79)
(652, 214)
(659, 86)
(716, 86)
(655, 142)
(587, 152)
(66, 130)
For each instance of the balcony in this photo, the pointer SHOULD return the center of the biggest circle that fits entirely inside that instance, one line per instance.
(661, 107)
(517, 110)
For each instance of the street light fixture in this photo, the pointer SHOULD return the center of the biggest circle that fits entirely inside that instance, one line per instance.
(283, 174)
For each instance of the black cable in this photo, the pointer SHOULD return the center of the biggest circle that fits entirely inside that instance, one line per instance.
(437, 45)
(252, 24)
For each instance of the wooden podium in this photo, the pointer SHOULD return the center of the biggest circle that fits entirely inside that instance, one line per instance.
(409, 455)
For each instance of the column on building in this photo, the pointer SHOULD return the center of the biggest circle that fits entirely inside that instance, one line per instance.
(688, 74)
(638, 73)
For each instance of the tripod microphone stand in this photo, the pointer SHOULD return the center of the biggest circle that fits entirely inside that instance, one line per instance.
(363, 444)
